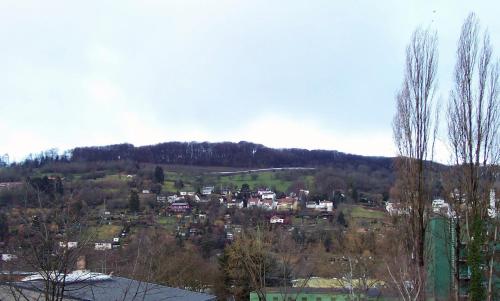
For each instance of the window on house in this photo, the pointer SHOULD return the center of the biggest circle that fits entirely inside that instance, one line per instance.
(333, 299)
(275, 298)
(304, 298)
(318, 298)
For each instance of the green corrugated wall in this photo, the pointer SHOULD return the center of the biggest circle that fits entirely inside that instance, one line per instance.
(440, 258)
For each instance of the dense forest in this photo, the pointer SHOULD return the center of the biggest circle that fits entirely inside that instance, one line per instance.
(242, 154)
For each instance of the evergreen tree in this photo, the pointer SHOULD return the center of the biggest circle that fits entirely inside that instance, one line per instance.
(244, 194)
(4, 227)
(59, 186)
(475, 260)
(133, 202)
(341, 219)
(354, 194)
(159, 175)
(179, 184)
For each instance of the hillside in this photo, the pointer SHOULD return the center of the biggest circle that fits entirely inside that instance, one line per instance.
(228, 154)
(224, 164)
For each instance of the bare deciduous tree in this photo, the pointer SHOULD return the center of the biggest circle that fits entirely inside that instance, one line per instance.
(403, 275)
(473, 122)
(261, 259)
(288, 256)
(249, 257)
(50, 245)
(414, 134)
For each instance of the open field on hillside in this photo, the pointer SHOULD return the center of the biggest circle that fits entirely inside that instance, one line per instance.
(167, 222)
(279, 180)
(361, 212)
(105, 232)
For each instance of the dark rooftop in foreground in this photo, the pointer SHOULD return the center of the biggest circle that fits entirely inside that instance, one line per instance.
(117, 288)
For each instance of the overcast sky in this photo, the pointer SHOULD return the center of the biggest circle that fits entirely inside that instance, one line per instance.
(309, 74)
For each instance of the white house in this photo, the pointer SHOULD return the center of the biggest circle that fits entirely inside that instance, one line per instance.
(492, 211)
(207, 190)
(268, 204)
(253, 202)
(102, 246)
(234, 204)
(394, 209)
(440, 206)
(311, 205)
(389, 207)
(268, 196)
(325, 206)
(263, 191)
(321, 206)
(8, 257)
(69, 244)
(276, 220)
(174, 198)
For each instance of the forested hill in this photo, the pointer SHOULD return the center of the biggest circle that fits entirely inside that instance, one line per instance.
(242, 154)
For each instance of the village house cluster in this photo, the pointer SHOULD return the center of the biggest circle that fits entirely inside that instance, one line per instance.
(277, 207)
(265, 199)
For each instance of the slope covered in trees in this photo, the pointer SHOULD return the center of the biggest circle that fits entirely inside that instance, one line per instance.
(242, 154)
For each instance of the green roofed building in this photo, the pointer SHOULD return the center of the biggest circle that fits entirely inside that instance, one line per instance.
(320, 294)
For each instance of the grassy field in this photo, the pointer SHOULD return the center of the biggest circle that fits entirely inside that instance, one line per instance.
(360, 212)
(261, 179)
(105, 232)
(168, 222)
(116, 177)
(269, 179)
(168, 185)
(195, 177)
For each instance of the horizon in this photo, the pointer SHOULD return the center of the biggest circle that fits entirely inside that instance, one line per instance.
(62, 152)
(320, 75)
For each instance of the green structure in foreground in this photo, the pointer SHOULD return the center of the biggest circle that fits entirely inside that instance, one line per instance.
(440, 251)
(318, 294)
(441, 248)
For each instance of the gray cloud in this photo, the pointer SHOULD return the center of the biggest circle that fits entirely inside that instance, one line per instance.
(99, 72)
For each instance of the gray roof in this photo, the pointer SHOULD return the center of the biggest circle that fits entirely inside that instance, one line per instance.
(122, 289)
